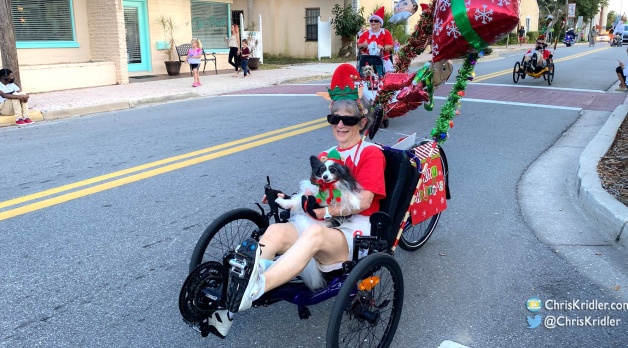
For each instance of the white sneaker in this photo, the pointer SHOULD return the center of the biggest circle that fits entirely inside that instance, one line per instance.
(219, 323)
(244, 276)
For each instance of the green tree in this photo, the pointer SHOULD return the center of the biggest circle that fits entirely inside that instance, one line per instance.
(610, 18)
(347, 24)
(588, 8)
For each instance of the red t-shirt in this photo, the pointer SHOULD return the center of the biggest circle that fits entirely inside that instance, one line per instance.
(367, 166)
(382, 38)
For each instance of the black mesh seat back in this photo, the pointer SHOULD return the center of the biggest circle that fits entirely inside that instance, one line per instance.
(183, 50)
(375, 61)
(401, 179)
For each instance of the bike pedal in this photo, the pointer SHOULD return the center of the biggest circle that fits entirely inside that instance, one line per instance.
(237, 267)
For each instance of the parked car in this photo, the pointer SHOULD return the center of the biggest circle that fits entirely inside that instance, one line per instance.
(625, 40)
(603, 38)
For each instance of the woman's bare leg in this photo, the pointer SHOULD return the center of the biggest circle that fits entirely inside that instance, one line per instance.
(327, 245)
(277, 239)
(622, 83)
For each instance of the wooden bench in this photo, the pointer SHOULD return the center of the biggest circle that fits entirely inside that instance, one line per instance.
(183, 50)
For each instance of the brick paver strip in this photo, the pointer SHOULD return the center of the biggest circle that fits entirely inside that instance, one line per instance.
(542, 96)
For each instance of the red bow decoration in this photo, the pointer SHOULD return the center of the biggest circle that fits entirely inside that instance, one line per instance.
(328, 192)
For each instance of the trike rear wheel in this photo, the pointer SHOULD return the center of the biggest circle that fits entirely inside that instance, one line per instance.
(414, 237)
(224, 234)
(368, 307)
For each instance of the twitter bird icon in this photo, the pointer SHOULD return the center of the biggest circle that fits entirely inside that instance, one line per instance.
(534, 322)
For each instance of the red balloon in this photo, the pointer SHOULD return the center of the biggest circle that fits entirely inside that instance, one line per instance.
(413, 93)
(489, 19)
(396, 81)
(397, 109)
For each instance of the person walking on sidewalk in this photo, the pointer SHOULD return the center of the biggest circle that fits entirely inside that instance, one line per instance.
(592, 36)
(246, 51)
(12, 100)
(234, 48)
(622, 72)
(522, 35)
(194, 59)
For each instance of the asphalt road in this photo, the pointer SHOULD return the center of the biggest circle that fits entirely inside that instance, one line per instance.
(101, 265)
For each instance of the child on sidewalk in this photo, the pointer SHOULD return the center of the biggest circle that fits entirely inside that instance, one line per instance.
(244, 60)
(11, 100)
(194, 59)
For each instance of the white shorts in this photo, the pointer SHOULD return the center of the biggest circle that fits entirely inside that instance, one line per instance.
(357, 225)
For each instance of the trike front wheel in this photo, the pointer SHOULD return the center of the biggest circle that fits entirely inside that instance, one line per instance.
(515, 72)
(224, 234)
(368, 307)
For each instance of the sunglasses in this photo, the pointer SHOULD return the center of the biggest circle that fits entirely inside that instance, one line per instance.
(346, 120)
(374, 21)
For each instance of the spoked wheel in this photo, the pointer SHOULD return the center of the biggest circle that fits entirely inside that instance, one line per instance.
(224, 234)
(550, 74)
(515, 72)
(414, 237)
(367, 310)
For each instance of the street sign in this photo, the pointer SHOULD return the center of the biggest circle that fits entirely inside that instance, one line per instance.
(571, 10)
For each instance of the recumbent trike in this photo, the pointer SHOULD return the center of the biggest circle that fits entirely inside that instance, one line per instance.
(369, 290)
(535, 68)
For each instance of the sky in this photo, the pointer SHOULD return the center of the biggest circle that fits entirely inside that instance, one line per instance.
(616, 5)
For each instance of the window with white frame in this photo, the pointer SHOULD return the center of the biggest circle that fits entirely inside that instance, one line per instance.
(42, 20)
(311, 23)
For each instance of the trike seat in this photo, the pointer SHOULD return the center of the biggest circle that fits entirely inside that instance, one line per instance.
(401, 177)
(373, 60)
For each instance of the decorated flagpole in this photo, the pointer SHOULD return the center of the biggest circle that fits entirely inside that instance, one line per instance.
(415, 196)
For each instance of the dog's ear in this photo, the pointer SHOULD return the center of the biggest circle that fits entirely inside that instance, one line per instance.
(315, 162)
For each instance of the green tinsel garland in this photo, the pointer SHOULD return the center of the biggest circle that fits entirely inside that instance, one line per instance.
(448, 110)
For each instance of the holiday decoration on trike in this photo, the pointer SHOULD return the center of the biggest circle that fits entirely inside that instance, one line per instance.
(456, 29)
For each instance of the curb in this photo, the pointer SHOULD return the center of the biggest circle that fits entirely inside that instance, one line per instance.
(607, 213)
(85, 110)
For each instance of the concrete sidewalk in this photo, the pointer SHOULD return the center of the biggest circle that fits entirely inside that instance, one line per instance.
(77, 102)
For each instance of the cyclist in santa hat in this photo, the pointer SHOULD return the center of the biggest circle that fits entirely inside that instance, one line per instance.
(379, 35)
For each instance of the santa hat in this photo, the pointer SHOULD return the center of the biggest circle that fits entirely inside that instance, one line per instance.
(379, 15)
(541, 38)
(343, 83)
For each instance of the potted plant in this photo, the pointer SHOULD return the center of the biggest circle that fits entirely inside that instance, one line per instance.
(173, 67)
(252, 40)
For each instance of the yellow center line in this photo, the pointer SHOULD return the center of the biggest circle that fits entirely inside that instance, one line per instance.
(123, 172)
(154, 172)
(509, 71)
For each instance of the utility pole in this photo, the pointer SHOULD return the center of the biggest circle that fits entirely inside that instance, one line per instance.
(7, 41)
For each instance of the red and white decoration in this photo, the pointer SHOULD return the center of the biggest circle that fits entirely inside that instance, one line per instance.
(490, 19)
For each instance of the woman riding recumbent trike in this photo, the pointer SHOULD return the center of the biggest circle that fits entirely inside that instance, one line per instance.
(536, 63)
(228, 274)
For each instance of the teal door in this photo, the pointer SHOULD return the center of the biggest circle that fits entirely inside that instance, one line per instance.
(137, 39)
